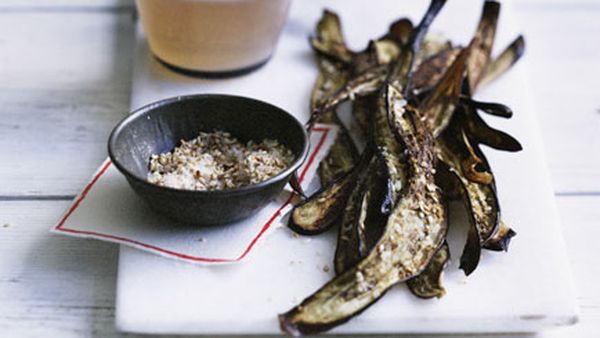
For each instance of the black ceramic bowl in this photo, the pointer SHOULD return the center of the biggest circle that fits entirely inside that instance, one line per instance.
(158, 128)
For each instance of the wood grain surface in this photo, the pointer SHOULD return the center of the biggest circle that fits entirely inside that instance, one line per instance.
(65, 81)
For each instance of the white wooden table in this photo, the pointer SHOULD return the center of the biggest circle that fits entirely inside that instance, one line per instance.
(65, 81)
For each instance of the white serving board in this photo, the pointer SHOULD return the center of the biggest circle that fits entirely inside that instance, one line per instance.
(526, 289)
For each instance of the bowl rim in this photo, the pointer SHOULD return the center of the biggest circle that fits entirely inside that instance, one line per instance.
(142, 111)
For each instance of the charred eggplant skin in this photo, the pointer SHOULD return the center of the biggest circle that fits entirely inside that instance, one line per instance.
(440, 104)
(501, 239)
(332, 76)
(492, 108)
(342, 156)
(484, 35)
(504, 61)
(481, 133)
(324, 209)
(348, 251)
(479, 199)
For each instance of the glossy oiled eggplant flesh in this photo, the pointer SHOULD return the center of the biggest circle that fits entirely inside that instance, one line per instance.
(342, 156)
(363, 106)
(320, 211)
(504, 61)
(390, 151)
(397, 82)
(371, 221)
(472, 250)
(380, 52)
(431, 70)
(484, 35)
(503, 234)
(332, 76)
(363, 109)
(368, 70)
(438, 107)
(429, 283)
(351, 245)
(365, 83)
(323, 209)
(367, 224)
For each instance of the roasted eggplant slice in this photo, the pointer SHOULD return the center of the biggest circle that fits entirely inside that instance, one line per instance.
(365, 83)
(504, 61)
(501, 239)
(484, 35)
(330, 40)
(319, 212)
(440, 104)
(329, 80)
(480, 199)
(492, 108)
(471, 164)
(502, 234)
(400, 31)
(342, 156)
(349, 249)
(391, 153)
(362, 109)
(481, 133)
(323, 209)
(332, 76)
(380, 52)
(364, 226)
(429, 283)
(432, 45)
(430, 71)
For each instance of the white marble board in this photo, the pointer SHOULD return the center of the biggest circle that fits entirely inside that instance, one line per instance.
(527, 289)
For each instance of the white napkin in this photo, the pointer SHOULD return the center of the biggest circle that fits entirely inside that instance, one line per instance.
(107, 209)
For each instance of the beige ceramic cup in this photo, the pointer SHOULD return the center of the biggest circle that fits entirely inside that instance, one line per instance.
(213, 37)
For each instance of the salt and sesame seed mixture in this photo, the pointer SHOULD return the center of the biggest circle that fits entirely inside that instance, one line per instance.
(217, 161)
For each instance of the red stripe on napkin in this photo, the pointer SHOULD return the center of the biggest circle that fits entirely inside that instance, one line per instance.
(265, 227)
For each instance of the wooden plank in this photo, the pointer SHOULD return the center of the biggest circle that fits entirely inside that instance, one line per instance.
(580, 215)
(562, 56)
(555, 5)
(50, 285)
(59, 286)
(65, 82)
(65, 4)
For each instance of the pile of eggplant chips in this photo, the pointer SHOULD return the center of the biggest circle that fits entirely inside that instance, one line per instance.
(411, 94)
